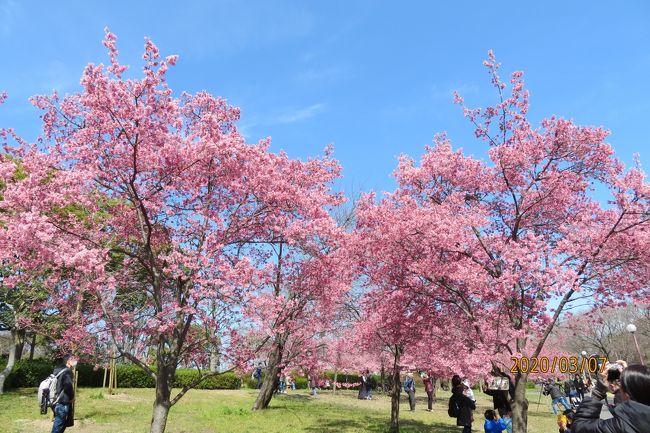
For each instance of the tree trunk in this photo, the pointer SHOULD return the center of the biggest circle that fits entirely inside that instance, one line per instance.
(520, 405)
(215, 355)
(382, 378)
(162, 403)
(270, 383)
(10, 361)
(395, 393)
(32, 347)
(215, 361)
(20, 343)
(336, 375)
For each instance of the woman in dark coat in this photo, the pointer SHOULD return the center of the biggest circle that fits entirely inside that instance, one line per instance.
(632, 415)
(467, 406)
(579, 385)
(363, 390)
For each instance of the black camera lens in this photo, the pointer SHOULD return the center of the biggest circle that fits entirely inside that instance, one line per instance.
(613, 374)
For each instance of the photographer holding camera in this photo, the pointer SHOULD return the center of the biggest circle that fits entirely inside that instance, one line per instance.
(631, 386)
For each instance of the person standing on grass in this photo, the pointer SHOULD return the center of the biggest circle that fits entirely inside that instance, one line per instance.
(257, 375)
(367, 383)
(579, 385)
(291, 384)
(553, 389)
(282, 383)
(465, 405)
(409, 389)
(427, 380)
(64, 396)
(570, 391)
(372, 383)
(500, 397)
(363, 389)
(313, 384)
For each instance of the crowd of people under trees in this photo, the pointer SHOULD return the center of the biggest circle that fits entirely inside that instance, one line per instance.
(581, 397)
(576, 400)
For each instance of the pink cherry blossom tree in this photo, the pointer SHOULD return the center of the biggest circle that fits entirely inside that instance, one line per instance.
(300, 305)
(404, 313)
(156, 215)
(510, 243)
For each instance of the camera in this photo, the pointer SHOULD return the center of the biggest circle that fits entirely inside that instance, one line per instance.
(614, 372)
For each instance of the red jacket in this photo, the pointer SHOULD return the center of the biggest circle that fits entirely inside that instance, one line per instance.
(428, 384)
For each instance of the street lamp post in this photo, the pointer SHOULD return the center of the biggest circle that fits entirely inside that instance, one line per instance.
(631, 328)
(586, 374)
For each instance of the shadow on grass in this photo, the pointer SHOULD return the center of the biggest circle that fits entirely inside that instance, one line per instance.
(291, 397)
(374, 425)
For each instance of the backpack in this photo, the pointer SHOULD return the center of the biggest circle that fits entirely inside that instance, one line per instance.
(408, 385)
(47, 396)
(454, 407)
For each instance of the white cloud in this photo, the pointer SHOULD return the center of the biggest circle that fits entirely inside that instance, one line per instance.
(8, 10)
(251, 124)
(299, 114)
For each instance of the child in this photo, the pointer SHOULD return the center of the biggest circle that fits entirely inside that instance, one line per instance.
(507, 420)
(492, 422)
(561, 420)
(467, 390)
(564, 421)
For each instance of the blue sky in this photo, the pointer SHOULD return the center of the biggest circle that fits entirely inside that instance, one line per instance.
(374, 78)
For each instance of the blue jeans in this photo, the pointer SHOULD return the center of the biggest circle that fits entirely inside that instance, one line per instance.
(61, 412)
(561, 400)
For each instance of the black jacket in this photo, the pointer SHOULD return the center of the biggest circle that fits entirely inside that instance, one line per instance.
(64, 385)
(629, 417)
(553, 389)
(499, 399)
(567, 387)
(579, 385)
(466, 406)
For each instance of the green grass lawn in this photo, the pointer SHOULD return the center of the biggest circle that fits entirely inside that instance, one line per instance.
(203, 411)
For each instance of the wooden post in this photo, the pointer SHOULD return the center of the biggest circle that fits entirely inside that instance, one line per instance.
(75, 375)
(106, 368)
(110, 378)
(115, 375)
